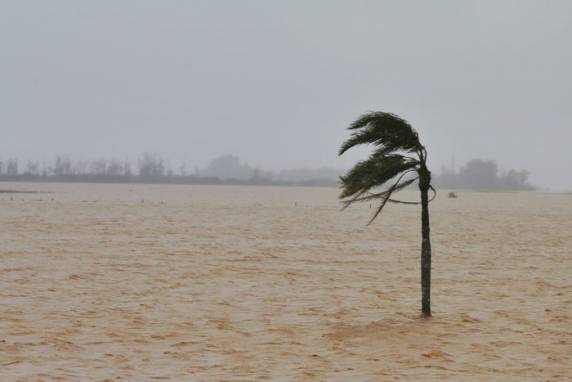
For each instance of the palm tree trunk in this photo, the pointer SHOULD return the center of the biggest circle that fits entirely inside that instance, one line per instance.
(424, 184)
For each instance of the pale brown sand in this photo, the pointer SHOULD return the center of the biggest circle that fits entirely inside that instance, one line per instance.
(237, 283)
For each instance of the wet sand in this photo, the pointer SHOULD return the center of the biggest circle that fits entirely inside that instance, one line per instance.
(197, 283)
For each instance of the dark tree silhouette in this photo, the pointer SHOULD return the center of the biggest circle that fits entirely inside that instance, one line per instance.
(399, 159)
(480, 174)
(151, 166)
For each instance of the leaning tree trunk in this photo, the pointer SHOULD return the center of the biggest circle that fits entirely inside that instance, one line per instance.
(424, 185)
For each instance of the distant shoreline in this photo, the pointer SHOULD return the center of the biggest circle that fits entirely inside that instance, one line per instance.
(172, 181)
(234, 182)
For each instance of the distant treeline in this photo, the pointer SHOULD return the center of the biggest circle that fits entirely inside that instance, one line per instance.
(480, 174)
(152, 168)
(477, 174)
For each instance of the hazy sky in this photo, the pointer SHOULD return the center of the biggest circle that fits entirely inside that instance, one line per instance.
(277, 82)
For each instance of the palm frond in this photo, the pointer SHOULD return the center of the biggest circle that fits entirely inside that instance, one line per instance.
(380, 208)
(374, 172)
(386, 130)
(384, 201)
(393, 139)
(380, 195)
(415, 203)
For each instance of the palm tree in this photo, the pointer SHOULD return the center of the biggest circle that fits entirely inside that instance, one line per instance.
(399, 159)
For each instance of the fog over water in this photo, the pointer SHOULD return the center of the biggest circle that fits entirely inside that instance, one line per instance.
(277, 82)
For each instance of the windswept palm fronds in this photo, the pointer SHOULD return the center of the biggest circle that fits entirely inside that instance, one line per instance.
(397, 161)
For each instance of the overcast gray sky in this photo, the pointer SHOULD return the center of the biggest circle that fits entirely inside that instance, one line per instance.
(277, 82)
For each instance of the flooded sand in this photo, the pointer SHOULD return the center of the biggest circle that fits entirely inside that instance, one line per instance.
(200, 283)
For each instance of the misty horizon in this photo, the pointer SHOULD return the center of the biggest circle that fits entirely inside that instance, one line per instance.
(276, 84)
(190, 167)
(476, 174)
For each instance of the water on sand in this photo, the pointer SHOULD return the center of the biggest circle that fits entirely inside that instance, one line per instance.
(252, 283)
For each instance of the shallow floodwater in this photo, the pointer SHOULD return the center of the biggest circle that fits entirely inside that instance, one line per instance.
(205, 283)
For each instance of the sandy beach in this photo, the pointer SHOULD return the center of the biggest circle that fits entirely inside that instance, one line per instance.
(204, 283)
